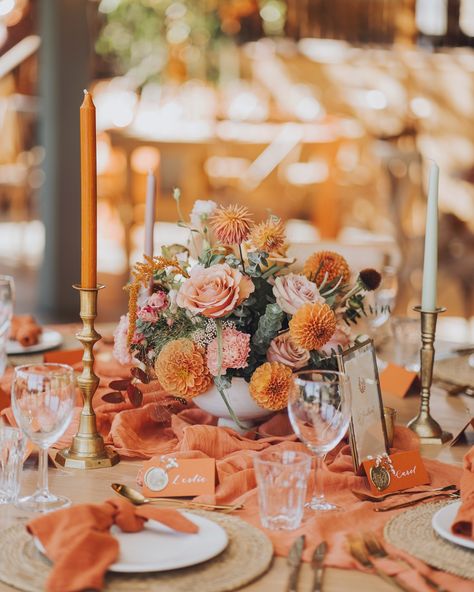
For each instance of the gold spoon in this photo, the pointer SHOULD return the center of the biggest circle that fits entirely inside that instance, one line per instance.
(138, 499)
(368, 497)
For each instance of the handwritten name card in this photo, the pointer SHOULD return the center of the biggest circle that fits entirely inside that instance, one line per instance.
(172, 477)
(408, 471)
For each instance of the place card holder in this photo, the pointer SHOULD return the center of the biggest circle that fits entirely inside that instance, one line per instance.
(395, 472)
(168, 476)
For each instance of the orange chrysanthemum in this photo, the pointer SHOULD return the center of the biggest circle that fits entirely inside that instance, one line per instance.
(269, 236)
(182, 370)
(270, 385)
(231, 225)
(313, 325)
(326, 262)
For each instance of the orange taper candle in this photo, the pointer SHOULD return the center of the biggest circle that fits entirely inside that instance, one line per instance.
(88, 194)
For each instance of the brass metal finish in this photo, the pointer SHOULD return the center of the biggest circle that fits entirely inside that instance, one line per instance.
(87, 450)
(427, 428)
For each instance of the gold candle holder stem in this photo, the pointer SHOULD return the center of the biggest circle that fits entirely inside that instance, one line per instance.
(87, 450)
(427, 428)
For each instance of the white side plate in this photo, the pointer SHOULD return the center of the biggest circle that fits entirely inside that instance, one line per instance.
(158, 548)
(48, 340)
(442, 522)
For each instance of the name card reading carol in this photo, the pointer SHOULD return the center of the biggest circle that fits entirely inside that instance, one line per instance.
(171, 477)
(402, 471)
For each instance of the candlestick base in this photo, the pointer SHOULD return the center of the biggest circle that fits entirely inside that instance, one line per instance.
(87, 450)
(427, 428)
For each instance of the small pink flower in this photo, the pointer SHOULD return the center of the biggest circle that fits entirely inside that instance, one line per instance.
(284, 350)
(342, 337)
(148, 314)
(138, 339)
(158, 300)
(121, 349)
(215, 291)
(235, 351)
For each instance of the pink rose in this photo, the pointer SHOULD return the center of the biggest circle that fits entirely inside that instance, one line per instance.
(158, 300)
(214, 291)
(342, 337)
(148, 314)
(235, 351)
(121, 349)
(284, 350)
(292, 291)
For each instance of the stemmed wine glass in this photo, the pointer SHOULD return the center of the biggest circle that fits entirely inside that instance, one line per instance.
(7, 289)
(43, 398)
(319, 408)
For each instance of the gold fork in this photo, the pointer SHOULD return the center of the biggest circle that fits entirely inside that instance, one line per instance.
(375, 548)
(359, 551)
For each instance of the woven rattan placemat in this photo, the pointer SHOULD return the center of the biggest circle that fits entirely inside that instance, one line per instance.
(247, 556)
(412, 532)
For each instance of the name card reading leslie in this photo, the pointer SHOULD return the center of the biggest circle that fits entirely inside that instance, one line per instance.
(172, 477)
(408, 471)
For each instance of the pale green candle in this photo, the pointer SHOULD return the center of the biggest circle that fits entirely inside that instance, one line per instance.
(430, 264)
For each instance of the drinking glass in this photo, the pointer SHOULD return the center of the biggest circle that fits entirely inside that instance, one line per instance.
(382, 300)
(43, 399)
(407, 342)
(12, 448)
(7, 290)
(282, 479)
(319, 408)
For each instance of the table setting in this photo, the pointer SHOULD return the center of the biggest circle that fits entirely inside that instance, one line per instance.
(233, 434)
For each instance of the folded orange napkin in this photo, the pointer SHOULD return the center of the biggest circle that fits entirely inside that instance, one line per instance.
(78, 540)
(464, 521)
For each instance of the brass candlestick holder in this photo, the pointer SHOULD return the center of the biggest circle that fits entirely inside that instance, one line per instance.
(427, 428)
(87, 450)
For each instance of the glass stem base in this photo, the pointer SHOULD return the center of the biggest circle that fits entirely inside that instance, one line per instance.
(320, 504)
(42, 501)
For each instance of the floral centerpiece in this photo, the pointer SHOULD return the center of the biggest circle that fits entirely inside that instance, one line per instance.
(228, 310)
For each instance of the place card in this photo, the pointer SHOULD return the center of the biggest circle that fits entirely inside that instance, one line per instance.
(397, 381)
(465, 434)
(407, 470)
(167, 476)
(68, 356)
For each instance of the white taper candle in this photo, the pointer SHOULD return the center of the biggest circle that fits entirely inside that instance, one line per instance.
(430, 263)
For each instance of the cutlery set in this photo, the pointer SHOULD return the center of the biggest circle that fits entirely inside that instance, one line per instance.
(294, 563)
(367, 547)
(449, 491)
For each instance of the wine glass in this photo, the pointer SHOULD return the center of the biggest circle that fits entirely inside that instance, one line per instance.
(319, 408)
(382, 300)
(43, 398)
(7, 289)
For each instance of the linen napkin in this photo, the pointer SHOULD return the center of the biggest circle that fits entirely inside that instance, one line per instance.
(78, 540)
(464, 522)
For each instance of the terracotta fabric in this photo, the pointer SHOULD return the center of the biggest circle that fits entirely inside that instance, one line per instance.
(464, 522)
(78, 540)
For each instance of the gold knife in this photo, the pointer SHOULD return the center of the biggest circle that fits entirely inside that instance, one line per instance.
(294, 562)
(317, 562)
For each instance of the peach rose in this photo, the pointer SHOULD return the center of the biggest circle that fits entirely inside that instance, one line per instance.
(342, 337)
(214, 291)
(284, 350)
(292, 291)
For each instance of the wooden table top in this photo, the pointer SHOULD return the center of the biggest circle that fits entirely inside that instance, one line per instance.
(94, 486)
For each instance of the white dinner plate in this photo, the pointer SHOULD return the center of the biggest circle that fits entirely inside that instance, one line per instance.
(159, 548)
(442, 522)
(47, 340)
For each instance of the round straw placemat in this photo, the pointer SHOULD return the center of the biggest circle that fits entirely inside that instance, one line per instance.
(247, 556)
(412, 532)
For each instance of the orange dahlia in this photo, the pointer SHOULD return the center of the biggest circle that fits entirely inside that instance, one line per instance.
(269, 236)
(182, 370)
(270, 385)
(326, 262)
(313, 325)
(231, 224)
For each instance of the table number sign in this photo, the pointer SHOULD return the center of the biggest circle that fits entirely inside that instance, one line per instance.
(368, 435)
(396, 472)
(167, 476)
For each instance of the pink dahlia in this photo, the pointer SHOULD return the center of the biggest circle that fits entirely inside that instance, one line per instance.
(235, 351)
(121, 350)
